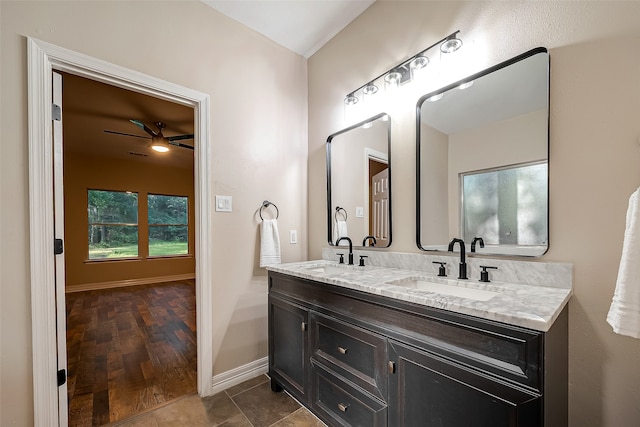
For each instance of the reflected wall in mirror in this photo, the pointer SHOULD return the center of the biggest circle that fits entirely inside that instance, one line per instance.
(359, 183)
(482, 160)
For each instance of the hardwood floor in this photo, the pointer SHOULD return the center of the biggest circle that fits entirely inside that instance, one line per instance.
(129, 349)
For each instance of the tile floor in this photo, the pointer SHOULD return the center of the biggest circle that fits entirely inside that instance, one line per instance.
(249, 404)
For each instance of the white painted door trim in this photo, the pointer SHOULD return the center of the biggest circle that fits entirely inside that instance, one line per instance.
(44, 57)
(58, 229)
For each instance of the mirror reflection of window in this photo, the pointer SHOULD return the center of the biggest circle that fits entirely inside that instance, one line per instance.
(359, 177)
(506, 206)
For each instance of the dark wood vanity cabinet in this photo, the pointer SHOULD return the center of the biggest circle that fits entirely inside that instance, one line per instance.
(358, 359)
(288, 354)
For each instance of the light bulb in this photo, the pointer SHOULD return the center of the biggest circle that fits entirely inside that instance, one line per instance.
(466, 85)
(351, 99)
(393, 78)
(419, 62)
(435, 98)
(370, 89)
(451, 45)
(160, 148)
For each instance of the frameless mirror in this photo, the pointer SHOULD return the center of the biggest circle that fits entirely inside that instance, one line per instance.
(358, 183)
(482, 154)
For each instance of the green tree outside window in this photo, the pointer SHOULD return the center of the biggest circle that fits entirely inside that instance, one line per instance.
(168, 225)
(113, 224)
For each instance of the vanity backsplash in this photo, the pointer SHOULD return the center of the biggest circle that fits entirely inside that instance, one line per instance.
(534, 273)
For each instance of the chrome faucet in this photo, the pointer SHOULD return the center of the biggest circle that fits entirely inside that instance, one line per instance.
(462, 274)
(372, 238)
(350, 248)
(473, 243)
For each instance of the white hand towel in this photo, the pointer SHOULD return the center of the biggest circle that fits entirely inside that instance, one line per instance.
(624, 313)
(269, 243)
(340, 230)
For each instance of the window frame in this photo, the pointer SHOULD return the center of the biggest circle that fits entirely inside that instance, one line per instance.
(114, 224)
(187, 225)
(513, 166)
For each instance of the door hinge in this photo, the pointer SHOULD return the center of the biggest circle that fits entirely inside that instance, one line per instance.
(62, 377)
(56, 112)
(58, 246)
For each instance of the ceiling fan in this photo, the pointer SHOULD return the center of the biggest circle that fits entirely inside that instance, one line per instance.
(159, 142)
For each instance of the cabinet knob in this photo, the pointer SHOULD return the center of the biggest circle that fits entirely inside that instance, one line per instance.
(343, 350)
(343, 407)
(392, 367)
(303, 326)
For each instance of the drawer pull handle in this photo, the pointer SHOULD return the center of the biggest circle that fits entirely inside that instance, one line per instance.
(303, 326)
(343, 350)
(343, 407)
(392, 367)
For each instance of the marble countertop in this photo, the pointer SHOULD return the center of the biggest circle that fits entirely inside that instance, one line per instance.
(529, 306)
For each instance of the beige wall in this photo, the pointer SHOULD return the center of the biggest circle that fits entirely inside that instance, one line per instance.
(258, 137)
(594, 154)
(83, 173)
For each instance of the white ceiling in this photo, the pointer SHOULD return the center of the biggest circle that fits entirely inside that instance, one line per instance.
(303, 26)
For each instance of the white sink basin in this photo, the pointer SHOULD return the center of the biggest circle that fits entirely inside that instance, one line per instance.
(444, 288)
(331, 268)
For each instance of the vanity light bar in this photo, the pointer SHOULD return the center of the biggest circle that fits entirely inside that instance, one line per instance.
(401, 73)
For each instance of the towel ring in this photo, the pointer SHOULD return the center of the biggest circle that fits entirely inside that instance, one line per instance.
(266, 204)
(344, 212)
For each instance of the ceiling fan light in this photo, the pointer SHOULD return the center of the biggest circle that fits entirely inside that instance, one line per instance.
(160, 148)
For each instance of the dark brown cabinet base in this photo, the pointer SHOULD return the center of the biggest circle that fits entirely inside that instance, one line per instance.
(357, 359)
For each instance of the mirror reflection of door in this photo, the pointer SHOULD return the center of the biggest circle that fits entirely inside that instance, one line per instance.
(356, 156)
(379, 202)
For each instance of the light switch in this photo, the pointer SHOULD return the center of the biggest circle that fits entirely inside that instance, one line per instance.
(293, 236)
(223, 204)
(359, 212)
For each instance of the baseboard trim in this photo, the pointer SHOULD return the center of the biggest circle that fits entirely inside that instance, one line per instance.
(240, 374)
(128, 282)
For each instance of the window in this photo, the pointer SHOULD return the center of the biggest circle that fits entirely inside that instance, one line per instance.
(168, 225)
(113, 224)
(506, 206)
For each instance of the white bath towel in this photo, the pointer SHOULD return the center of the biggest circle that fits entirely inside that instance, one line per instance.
(340, 230)
(269, 243)
(624, 313)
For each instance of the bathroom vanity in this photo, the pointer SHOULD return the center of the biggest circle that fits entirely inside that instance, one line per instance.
(368, 347)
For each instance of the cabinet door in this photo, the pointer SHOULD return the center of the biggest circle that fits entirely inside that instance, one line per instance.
(288, 352)
(426, 390)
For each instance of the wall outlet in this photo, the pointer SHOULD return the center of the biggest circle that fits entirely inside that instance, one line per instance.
(293, 236)
(223, 204)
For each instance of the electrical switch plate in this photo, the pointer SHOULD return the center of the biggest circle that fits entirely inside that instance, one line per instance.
(293, 236)
(359, 212)
(223, 204)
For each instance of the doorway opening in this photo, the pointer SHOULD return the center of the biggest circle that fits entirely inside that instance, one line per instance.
(129, 251)
(50, 391)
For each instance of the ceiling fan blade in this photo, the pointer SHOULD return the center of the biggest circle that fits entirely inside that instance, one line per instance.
(179, 137)
(143, 127)
(177, 144)
(125, 134)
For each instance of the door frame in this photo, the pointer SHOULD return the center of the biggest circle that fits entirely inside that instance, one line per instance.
(42, 59)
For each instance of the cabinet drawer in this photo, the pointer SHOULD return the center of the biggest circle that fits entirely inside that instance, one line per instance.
(340, 404)
(354, 353)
